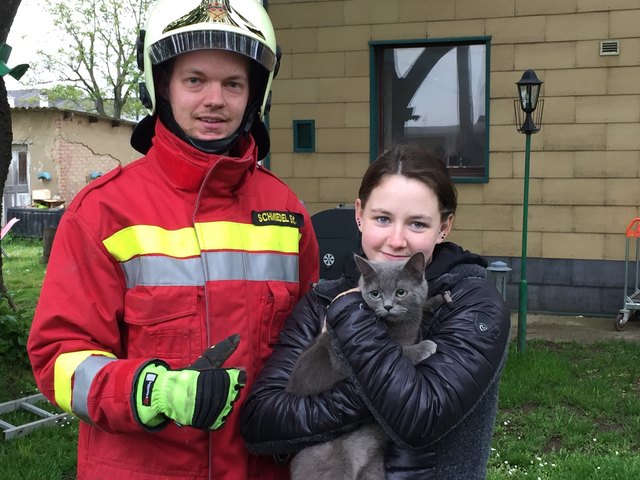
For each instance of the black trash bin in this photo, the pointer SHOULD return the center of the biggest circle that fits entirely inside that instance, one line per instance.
(338, 237)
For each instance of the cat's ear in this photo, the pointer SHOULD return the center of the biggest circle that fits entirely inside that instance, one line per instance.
(364, 266)
(416, 265)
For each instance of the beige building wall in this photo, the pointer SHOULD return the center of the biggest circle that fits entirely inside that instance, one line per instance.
(585, 162)
(70, 146)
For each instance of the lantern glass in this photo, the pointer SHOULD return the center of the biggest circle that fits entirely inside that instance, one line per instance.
(528, 96)
(529, 90)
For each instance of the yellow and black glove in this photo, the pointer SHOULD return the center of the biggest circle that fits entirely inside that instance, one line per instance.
(201, 395)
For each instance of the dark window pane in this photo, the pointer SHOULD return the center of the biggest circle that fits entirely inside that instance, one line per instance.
(23, 168)
(435, 94)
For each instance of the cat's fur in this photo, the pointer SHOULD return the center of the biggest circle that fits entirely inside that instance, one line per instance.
(397, 292)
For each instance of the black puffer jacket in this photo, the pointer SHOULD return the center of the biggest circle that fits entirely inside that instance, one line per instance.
(439, 413)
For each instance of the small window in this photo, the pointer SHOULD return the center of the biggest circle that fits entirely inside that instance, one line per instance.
(304, 136)
(434, 92)
(23, 168)
(19, 168)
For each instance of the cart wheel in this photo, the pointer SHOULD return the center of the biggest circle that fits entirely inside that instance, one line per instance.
(619, 324)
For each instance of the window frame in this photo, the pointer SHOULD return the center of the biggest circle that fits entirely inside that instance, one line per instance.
(375, 50)
(297, 147)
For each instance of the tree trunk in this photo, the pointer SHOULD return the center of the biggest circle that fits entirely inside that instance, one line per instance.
(8, 9)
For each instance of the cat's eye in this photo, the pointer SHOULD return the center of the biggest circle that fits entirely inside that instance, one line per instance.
(401, 292)
(374, 293)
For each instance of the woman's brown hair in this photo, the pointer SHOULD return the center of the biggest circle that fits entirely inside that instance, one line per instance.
(416, 162)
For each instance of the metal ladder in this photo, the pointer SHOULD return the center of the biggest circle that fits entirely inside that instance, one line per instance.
(28, 403)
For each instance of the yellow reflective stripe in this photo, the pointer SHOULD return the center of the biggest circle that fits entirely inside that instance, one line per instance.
(250, 238)
(150, 239)
(184, 243)
(63, 371)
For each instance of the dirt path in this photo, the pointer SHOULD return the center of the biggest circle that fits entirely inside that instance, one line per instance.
(571, 328)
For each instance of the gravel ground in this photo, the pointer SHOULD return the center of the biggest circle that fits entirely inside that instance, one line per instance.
(575, 328)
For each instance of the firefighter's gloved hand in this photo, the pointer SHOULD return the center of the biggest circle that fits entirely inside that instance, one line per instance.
(201, 395)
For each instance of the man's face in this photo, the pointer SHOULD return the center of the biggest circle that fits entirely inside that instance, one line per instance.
(209, 92)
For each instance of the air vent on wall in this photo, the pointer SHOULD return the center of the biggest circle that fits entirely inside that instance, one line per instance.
(610, 47)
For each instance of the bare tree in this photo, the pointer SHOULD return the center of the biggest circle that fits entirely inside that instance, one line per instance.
(100, 55)
(8, 9)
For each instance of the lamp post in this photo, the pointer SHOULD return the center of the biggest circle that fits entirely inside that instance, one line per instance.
(528, 95)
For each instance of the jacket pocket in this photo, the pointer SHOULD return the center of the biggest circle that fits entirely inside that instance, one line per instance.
(161, 322)
(278, 302)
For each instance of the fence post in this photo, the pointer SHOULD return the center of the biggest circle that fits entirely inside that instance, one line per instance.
(48, 233)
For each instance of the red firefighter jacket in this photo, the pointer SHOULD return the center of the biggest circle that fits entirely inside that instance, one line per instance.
(161, 259)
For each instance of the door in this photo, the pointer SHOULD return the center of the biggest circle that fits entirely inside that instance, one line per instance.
(16, 190)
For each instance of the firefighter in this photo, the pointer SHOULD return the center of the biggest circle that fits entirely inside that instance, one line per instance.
(170, 278)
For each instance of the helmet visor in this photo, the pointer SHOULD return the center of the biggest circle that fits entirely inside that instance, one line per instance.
(183, 42)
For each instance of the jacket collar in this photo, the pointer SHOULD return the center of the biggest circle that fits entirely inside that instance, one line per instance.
(449, 265)
(187, 167)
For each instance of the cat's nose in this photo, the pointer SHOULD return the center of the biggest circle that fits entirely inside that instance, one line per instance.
(388, 307)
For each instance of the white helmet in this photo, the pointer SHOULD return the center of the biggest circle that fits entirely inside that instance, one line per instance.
(176, 27)
(241, 26)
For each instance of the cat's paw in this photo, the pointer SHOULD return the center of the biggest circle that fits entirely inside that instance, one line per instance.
(428, 347)
(420, 351)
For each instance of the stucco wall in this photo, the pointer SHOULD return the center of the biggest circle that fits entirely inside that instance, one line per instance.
(70, 145)
(585, 162)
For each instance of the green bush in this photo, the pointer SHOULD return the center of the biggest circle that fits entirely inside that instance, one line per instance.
(23, 273)
(14, 331)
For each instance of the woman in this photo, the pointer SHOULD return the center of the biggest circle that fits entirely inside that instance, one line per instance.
(440, 413)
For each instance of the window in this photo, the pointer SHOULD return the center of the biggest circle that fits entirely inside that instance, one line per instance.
(19, 169)
(434, 92)
(304, 136)
(23, 168)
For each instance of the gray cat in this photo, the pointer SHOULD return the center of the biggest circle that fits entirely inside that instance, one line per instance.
(397, 292)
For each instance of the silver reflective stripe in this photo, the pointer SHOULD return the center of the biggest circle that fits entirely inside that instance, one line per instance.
(153, 270)
(251, 266)
(163, 271)
(82, 378)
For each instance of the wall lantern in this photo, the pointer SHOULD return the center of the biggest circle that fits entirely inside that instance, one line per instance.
(528, 103)
(528, 94)
(44, 176)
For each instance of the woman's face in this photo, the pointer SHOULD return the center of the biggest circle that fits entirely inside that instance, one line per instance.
(401, 217)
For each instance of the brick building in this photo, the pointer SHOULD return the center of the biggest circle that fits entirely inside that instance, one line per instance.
(341, 96)
(61, 151)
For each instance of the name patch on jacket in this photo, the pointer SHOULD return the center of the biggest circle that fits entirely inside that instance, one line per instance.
(272, 217)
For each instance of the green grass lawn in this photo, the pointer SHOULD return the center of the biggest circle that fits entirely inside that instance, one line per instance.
(567, 410)
(47, 453)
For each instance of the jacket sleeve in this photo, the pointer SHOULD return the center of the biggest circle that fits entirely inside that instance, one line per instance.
(274, 421)
(416, 405)
(308, 256)
(74, 342)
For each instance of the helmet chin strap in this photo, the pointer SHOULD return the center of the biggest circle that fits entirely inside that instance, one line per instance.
(218, 147)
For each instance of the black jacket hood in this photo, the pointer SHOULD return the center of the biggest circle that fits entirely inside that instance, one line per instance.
(448, 255)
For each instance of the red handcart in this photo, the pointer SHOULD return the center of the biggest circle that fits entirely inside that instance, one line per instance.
(631, 305)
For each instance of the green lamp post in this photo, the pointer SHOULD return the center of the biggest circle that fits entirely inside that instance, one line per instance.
(528, 100)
